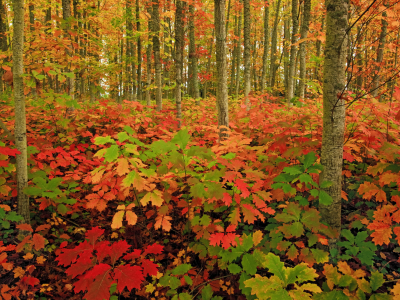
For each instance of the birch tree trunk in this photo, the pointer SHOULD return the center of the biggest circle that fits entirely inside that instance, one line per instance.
(304, 32)
(266, 46)
(157, 54)
(334, 110)
(20, 117)
(222, 88)
(293, 53)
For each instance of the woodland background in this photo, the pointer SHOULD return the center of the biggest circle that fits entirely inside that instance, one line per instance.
(185, 149)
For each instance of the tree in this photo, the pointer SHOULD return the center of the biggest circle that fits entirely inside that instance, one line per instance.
(193, 55)
(334, 110)
(66, 6)
(246, 36)
(20, 118)
(379, 56)
(293, 53)
(304, 32)
(222, 81)
(274, 43)
(179, 44)
(266, 46)
(157, 53)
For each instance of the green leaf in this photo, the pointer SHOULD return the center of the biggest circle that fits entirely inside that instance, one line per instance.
(309, 159)
(5, 224)
(314, 192)
(249, 264)
(112, 153)
(70, 74)
(181, 138)
(234, 269)
(185, 296)
(348, 235)
(292, 170)
(129, 130)
(305, 178)
(122, 136)
(101, 140)
(326, 184)
(33, 191)
(376, 280)
(229, 156)
(62, 209)
(324, 198)
(206, 292)
(181, 269)
(188, 280)
(275, 266)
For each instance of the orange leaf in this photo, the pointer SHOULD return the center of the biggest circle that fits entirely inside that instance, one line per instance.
(164, 222)
(38, 241)
(117, 219)
(123, 166)
(131, 217)
(25, 227)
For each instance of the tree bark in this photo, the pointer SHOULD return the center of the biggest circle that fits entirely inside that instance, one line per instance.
(193, 56)
(128, 51)
(246, 36)
(209, 64)
(148, 65)
(20, 117)
(304, 32)
(179, 44)
(274, 42)
(3, 38)
(334, 111)
(266, 46)
(233, 66)
(222, 82)
(139, 55)
(157, 55)
(66, 6)
(379, 57)
(239, 54)
(286, 52)
(318, 46)
(293, 52)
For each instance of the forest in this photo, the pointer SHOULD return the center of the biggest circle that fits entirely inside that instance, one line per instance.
(200, 149)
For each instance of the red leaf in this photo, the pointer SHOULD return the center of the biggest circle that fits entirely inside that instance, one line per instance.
(97, 270)
(32, 281)
(94, 234)
(135, 254)
(128, 276)
(38, 241)
(68, 256)
(153, 249)
(149, 267)
(43, 227)
(83, 264)
(100, 288)
(117, 249)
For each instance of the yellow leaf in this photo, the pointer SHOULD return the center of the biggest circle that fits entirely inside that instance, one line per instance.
(150, 288)
(131, 217)
(40, 260)
(28, 256)
(153, 197)
(5, 207)
(123, 166)
(121, 207)
(117, 219)
(18, 272)
(114, 235)
(396, 289)
(257, 237)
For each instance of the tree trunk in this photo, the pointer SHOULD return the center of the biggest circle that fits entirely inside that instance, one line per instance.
(209, 64)
(233, 66)
(20, 118)
(286, 52)
(318, 46)
(179, 44)
(334, 111)
(246, 36)
(148, 65)
(304, 32)
(266, 46)
(3, 38)
(379, 57)
(293, 52)
(156, 51)
(222, 83)
(139, 55)
(128, 50)
(66, 6)
(193, 56)
(239, 54)
(274, 42)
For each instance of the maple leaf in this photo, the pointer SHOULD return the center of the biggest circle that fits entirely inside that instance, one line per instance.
(93, 234)
(83, 263)
(100, 288)
(128, 276)
(25, 227)
(248, 213)
(242, 186)
(153, 249)
(153, 197)
(69, 256)
(123, 166)
(149, 268)
(117, 249)
(368, 190)
(134, 179)
(164, 222)
(38, 240)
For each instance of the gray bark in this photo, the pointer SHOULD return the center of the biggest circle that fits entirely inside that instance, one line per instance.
(266, 47)
(157, 53)
(293, 52)
(246, 36)
(304, 32)
(274, 42)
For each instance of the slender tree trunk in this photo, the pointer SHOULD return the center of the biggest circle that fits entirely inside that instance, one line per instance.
(209, 64)
(304, 32)
(318, 46)
(246, 36)
(233, 66)
(222, 88)
(274, 42)
(286, 45)
(179, 44)
(148, 65)
(128, 51)
(66, 6)
(359, 60)
(293, 52)
(20, 117)
(266, 46)
(157, 54)
(193, 56)
(379, 57)
(334, 111)
(139, 55)
(239, 54)
(3, 38)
